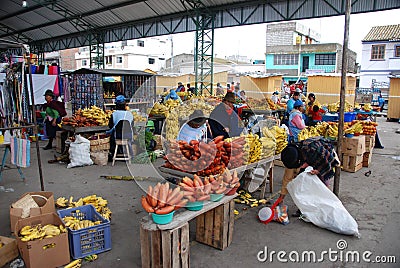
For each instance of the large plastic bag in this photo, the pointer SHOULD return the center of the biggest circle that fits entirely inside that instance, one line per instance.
(79, 152)
(319, 205)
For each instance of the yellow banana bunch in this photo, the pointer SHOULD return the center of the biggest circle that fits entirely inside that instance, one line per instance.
(97, 114)
(356, 128)
(74, 264)
(268, 147)
(280, 138)
(332, 131)
(98, 202)
(61, 202)
(252, 148)
(76, 224)
(29, 233)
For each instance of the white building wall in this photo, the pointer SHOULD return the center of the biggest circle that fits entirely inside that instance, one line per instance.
(378, 69)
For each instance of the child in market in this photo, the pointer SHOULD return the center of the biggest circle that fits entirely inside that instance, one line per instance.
(317, 114)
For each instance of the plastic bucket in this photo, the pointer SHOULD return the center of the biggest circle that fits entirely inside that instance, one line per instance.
(350, 116)
(162, 218)
(216, 197)
(195, 206)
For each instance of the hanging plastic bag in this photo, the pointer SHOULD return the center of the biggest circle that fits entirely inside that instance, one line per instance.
(79, 152)
(319, 205)
(20, 151)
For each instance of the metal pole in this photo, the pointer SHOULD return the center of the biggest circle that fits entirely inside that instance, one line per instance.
(342, 94)
(35, 129)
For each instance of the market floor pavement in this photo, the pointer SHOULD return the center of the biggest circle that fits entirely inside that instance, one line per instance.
(373, 201)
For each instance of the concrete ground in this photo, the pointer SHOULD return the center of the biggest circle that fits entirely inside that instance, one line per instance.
(372, 200)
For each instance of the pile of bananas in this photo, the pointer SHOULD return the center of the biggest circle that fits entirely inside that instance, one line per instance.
(356, 128)
(271, 104)
(172, 126)
(281, 138)
(29, 233)
(367, 107)
(334, 107)
(159, 109)
(97, 201)
(76, 224)
(247, 199)
(138, 118)
(313, 131)
(97, 115)
(268, 143)
(252, 148)
(332, 131)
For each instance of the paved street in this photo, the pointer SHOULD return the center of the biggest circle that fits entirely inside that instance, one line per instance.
(372, 200)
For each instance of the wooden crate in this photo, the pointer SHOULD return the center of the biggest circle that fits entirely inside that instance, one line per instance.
(165, 248)
(215, 227)
(352, 163)
(354, 146)
(369, 143)
(367, 158)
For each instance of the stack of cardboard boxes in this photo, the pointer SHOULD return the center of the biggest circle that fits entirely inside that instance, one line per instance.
(39, 253)
(353, 150)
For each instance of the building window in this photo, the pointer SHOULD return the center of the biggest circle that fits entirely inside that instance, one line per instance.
(325, 59)
(140, 43)
(119, 59)
(378, 52)
(108, 59)
(286, 59)
(84, 62)
(152, 61)
(397, 51)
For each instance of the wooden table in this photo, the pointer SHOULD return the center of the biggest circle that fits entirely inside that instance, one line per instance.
(269, 162)
(168, 245)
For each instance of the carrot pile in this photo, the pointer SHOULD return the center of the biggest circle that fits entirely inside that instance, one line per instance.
(205, 159)
(161, 199)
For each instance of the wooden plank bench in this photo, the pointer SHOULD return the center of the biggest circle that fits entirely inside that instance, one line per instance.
(167, 245)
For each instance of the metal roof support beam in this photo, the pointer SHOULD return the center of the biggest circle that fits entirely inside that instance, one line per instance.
(96, 51)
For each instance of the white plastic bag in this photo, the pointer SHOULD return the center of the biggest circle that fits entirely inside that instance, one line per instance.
(319, 205)
(79, 152)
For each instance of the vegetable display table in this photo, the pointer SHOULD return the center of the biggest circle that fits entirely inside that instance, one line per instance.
(168, 245)
(267, 163)
(79, 130)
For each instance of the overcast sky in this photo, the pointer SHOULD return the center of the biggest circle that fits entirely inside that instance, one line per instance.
(250, 40)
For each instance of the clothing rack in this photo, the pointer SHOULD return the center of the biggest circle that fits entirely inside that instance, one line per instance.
(26, 103)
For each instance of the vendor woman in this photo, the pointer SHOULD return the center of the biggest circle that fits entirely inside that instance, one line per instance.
(53, 117)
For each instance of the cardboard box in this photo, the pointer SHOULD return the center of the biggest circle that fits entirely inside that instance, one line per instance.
(45, 253)
(369, 143)
(9, 251)
(352, 163)
(354, 145)
(367, 158)
(45, 200)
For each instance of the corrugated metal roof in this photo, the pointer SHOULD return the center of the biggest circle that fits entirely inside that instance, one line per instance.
(59, 24)
(383, 33)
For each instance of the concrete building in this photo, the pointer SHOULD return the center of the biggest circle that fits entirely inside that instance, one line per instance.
(294, 50)
(380, 56)
(138, 54)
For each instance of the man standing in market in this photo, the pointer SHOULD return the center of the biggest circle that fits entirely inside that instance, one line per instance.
(55, 110)
(180, 88)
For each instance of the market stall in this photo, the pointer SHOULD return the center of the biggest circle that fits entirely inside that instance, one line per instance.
(326, 87)
(394, 98)
(99, 87)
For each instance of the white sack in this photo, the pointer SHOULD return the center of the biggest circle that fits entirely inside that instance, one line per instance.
(79, 152)
(319, 205)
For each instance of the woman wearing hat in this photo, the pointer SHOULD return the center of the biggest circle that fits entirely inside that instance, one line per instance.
(296, 121)
(53, 117)
(195, 128)
(316, 152)
(224, 121)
